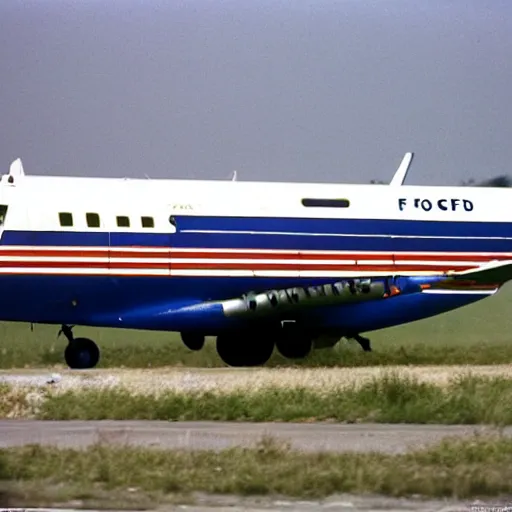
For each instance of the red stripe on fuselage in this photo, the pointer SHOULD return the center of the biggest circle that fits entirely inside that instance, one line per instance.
(136, 253)
(441, 267)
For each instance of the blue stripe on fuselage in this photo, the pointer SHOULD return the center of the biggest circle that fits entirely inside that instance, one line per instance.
(293, 233)
(347, 226)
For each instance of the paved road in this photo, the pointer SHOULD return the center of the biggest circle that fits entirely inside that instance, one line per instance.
(341, 503)
(210, 435)
(220, 435)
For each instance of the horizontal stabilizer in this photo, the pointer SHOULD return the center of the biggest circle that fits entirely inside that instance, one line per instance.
(493, 273)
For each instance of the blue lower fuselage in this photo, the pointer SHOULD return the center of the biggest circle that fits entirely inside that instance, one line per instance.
(134, 299)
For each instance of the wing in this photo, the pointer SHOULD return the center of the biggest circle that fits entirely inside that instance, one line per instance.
(490, 275)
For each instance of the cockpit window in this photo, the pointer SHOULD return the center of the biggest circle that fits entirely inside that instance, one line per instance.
(3, 213)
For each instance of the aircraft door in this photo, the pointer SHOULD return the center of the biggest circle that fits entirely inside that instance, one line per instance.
(172, 228)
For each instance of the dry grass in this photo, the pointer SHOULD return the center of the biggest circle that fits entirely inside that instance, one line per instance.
(317, 379)
(223, 380)
(479, 467)
(389, 399)
(18, 403)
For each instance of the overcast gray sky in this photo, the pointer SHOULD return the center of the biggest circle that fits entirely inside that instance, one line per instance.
(279, 90)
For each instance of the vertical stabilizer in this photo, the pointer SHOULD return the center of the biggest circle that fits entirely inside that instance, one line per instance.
(401, 172)
(16, 168)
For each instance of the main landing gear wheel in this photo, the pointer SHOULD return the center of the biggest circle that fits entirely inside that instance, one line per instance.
(294, 344)
(244, 349)
(81, 353)
(192, 341)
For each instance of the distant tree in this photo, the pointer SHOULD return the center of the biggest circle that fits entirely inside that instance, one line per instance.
(498, 181)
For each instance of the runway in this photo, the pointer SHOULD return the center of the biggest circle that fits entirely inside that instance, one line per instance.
(339, 503)
(311, 437)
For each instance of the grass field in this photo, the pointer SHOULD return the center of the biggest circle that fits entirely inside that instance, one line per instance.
(477, 334)
(476, 467)
(389, 399)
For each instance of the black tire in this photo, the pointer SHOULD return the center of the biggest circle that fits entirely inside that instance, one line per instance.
(81, 354)
(244, 349)
(294, 345)
(192, 340)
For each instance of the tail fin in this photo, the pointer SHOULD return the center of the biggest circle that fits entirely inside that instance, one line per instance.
(403, 169)
(16, 168)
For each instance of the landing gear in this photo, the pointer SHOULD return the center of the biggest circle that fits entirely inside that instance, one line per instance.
(192, 340)
(81, 353)
(244, 348)
(254, 348)
(364, 342)
(293, 343)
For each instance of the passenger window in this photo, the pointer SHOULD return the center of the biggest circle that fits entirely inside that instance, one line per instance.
(123, 221)
(326, 203)
(3, 213)
(93, 220)
(66, 219)
(147, 222)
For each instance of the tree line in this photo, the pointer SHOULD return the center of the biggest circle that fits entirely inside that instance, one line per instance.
(497, 181)
(501, 181)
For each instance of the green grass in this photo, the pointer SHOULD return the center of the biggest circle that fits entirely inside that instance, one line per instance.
(466, 400)
(477, 334)
(478, 467)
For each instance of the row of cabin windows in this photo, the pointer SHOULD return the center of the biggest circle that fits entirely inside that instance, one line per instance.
(93, 220)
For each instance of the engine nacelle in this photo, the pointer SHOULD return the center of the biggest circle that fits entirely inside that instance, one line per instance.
(344, 291)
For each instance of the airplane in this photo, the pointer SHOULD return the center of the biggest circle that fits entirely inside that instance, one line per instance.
(260, 266)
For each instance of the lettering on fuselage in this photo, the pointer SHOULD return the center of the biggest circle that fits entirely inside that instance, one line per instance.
(178, 206)
(427, 205)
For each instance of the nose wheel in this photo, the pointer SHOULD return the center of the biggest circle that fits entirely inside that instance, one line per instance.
(80, 353)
